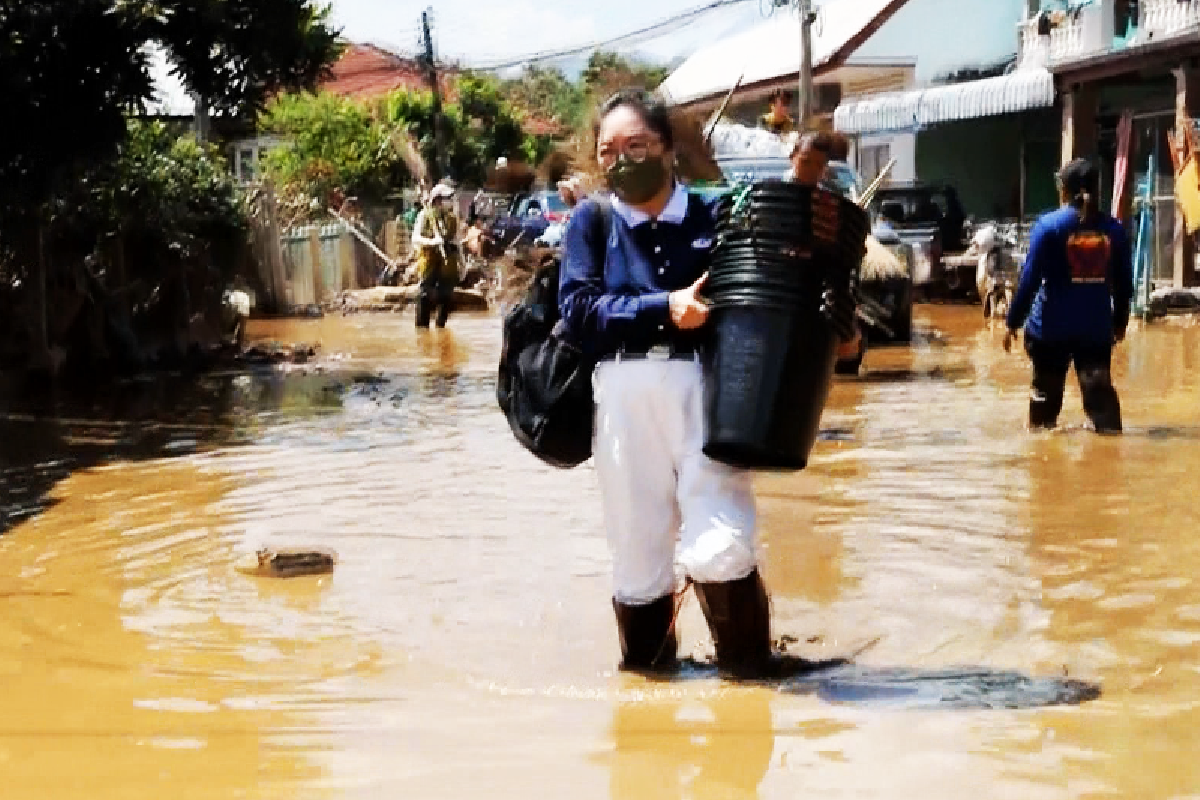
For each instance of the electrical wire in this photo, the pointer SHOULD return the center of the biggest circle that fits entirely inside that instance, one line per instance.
(673, 23)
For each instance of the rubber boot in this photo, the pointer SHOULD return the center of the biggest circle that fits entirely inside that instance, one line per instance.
(739, 619)
(443, 310)
(738, 614)
(424, 309)
(647, 634)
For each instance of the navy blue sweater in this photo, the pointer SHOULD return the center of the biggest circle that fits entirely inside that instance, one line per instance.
(622, 300)
(1077, 282)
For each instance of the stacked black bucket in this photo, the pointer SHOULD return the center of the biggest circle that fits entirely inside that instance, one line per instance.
(782, 252)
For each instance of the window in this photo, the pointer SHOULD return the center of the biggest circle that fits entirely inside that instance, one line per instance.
(554, 203)
(872, 159)
(245, 164)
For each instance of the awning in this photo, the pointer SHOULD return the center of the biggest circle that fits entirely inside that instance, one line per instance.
(1022, 90)
(771, 51)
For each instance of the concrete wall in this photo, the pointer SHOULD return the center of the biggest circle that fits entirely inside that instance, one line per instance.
(901, 146)
(947, 35)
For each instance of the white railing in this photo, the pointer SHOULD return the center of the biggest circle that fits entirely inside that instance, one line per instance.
(1074, 37)
(1089, 31)
(1162, 18)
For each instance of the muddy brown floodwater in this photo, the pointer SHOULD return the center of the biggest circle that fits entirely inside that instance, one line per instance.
(464, 645)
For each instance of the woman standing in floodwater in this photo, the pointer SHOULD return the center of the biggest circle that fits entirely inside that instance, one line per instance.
(630, 294)
(1073, 300)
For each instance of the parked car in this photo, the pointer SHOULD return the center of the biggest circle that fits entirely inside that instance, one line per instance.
(747, 169)
(930, 218)
(528, 218)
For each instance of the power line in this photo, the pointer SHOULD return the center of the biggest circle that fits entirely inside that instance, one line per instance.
(674, 22)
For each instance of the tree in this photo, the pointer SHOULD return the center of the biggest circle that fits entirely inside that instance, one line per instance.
(608, 72)
(72, 71)
(336, 143)
(75, 68)
(548, 94)
(238, 53)
(333, 143)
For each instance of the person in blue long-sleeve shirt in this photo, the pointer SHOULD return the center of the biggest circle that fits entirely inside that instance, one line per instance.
(630, 295)
(1073, 301)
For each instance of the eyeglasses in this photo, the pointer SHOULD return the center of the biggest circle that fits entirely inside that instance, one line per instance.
(636, 150)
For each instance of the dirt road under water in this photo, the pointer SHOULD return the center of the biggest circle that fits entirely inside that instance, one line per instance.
(464, 646)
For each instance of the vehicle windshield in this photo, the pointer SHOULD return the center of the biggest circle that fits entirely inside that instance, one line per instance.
(554, 203)
(748, 170)
(846, 178)
(912, 207)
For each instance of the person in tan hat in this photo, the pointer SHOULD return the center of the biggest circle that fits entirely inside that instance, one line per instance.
(435, 233)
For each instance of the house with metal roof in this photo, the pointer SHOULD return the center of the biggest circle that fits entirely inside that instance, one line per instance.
(861, 49)
(1103, 78)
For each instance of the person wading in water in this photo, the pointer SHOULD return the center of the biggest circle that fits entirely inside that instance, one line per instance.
(1073, 300)
(639, 310)
(435, 232)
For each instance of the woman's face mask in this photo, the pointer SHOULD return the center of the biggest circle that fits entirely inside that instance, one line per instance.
(637, 182)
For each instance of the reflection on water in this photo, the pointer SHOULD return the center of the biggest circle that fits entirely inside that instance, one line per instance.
(465, 643)
(675, 748)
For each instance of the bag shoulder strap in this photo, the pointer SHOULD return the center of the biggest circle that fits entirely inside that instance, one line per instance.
(604, 224)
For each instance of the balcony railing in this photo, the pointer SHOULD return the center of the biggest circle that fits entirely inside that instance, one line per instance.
(1160, 18)
(1091, 30)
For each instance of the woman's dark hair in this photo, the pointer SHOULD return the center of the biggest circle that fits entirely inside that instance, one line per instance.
(834, 145)
(653, 111)
(1080, 182)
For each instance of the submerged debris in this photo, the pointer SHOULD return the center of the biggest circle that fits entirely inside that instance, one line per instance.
(287, 562)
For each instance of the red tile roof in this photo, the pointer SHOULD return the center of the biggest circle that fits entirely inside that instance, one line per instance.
(365, 71)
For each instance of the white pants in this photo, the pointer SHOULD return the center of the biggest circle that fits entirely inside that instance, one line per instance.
(658, 487)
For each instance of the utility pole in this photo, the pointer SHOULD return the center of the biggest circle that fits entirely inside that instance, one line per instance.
(200, 115)
(807, 17)
(431, 66)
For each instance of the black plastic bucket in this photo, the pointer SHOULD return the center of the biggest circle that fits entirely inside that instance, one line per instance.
(768, 377)
(770, 367)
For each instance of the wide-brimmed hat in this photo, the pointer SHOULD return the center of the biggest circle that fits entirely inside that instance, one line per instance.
(441, 190)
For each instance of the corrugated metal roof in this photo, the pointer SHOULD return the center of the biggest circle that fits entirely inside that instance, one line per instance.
(905, 111)
(772, 50)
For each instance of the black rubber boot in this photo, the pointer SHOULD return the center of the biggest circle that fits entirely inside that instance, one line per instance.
(424, 309)
(739, 619)
(647, 633)
(443, 310)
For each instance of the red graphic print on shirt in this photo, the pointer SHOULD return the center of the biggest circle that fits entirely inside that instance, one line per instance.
(1088, 256)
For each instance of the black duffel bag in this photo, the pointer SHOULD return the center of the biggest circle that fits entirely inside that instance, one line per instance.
(544, 386)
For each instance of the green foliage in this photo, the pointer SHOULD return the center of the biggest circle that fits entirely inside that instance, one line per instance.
(338, 144)
(69, 69)
(547, 93)
(72, 70)
(238, 53)
(333, 143)
(606, 73)
(166, 199)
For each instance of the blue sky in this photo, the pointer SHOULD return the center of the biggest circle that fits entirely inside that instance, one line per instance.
(478, 31)
(941, 34)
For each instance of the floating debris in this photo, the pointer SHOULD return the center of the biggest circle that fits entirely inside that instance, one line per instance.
(287, 562)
